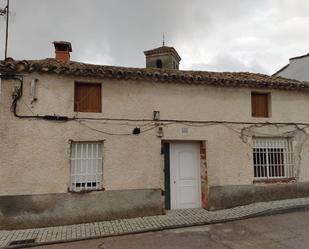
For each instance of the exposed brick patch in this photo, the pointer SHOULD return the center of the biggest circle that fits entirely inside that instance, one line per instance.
(63, 55)
(204, 178)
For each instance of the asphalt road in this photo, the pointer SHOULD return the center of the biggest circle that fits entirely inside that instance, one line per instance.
(282, 231)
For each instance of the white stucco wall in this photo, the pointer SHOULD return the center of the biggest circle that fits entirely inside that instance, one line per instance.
(298, 69)
(35, 154)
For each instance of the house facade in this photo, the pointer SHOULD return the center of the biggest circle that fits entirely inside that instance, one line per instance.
(82, 143)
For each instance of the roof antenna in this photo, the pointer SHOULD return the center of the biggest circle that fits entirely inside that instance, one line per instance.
(163, 39)
(6, 11)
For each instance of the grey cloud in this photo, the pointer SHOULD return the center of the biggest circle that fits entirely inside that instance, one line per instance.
(228, 63)
(223, 35)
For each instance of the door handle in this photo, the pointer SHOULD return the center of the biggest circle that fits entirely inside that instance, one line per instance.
(174, 182)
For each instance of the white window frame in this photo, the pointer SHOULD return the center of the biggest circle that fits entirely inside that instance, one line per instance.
(86, 166)
(272, 158)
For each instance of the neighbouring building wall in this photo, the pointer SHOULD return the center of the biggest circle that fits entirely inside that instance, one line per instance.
(297, 69)
(35, 154)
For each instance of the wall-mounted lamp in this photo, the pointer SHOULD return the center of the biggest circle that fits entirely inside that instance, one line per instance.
(160, 131)
(156, 115)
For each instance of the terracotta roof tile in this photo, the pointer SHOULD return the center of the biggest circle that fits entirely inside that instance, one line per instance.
(234, 79)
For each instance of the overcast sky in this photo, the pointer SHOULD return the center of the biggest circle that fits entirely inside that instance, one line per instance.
(221, 35)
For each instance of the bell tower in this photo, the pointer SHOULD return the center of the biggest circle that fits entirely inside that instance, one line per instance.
(162, 57)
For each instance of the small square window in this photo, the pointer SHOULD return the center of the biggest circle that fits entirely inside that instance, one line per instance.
(86, 166)
(87, 97)
(260, 105)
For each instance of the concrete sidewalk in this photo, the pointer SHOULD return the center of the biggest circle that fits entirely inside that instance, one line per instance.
(173, 219)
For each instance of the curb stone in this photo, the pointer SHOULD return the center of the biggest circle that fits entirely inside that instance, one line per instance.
(174, 220)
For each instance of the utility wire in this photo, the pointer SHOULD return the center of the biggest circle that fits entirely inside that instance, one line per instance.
(115, 134)
(121, 123)
(164, 122)
(103, 132)
(185, 122)
(28, 107)
(205, 122)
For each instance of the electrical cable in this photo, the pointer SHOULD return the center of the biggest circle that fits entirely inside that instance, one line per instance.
(150, 122)
(103, 132)
(103, 122)
(28, 107)
(115, 134)
(18, 96)
(206, 122)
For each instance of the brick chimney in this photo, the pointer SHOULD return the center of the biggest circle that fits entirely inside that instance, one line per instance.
(62, 50)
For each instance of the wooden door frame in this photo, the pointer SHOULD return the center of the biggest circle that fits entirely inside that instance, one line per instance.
(167, 183)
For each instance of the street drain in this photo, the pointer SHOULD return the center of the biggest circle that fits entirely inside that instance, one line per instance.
(22, 242)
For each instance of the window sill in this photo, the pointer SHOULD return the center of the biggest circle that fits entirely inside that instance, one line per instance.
(85, 191)
(281, 180)
(87, 112)
(255, 117)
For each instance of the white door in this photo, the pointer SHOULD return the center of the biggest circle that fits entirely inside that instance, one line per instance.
(185, 175)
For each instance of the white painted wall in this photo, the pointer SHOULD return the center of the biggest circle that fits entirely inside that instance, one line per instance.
(298, 69)
(34, 154)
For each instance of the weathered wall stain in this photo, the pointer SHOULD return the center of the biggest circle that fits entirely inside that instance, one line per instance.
(221, 197)
(17, 212)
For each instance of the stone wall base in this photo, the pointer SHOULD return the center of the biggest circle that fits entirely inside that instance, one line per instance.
(29, 211)
(221, 197)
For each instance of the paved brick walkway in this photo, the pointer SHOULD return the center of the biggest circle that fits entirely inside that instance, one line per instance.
(173, 219)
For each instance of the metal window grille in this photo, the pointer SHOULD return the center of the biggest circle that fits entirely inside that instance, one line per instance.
(86, 166)
(272, 158)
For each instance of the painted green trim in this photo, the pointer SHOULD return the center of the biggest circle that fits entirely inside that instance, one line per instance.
(167, 184)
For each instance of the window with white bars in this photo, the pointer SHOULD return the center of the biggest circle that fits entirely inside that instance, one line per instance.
(86, 166)
(272, 158)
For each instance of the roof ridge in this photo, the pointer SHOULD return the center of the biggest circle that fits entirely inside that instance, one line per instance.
(230, 79)
(300, 56)
(141, 68)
